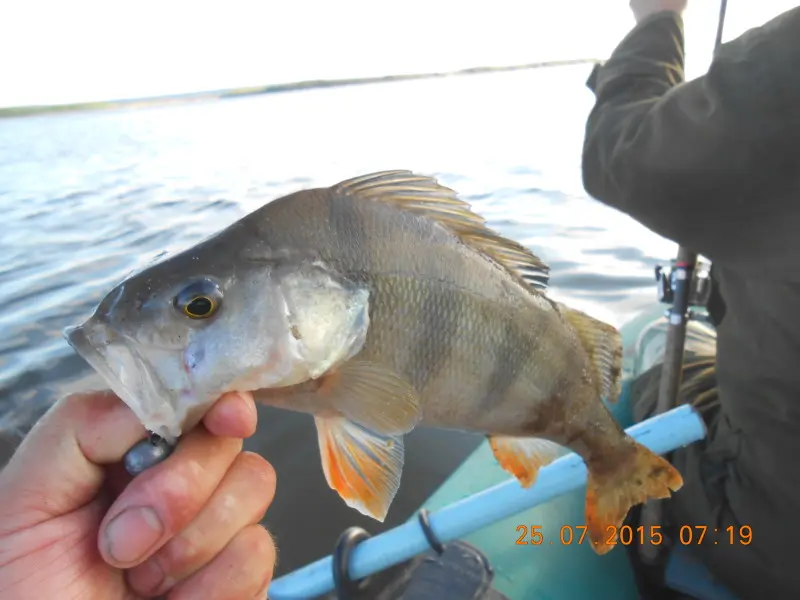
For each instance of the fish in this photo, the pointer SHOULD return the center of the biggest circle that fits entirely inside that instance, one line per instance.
(376, 305)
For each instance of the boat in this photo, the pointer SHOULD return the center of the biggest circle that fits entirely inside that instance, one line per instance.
(504, 554)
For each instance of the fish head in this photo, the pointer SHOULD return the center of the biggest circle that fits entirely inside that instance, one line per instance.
(171, 339)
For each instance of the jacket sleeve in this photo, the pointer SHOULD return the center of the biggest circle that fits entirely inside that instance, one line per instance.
(706, 163)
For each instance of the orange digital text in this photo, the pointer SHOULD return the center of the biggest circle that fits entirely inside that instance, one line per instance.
(577, 534)
(687, 535)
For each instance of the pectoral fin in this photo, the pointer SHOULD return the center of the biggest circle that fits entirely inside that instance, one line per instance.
(373, 396)
(362, 466)
(523, 457)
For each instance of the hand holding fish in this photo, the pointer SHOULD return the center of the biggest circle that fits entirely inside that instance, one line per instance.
(73, 523)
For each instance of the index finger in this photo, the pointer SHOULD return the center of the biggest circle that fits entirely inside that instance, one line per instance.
(233, 415)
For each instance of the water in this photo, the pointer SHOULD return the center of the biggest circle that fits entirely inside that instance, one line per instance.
(86, 198)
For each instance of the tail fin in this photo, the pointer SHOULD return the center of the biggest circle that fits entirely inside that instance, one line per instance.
(611, 493)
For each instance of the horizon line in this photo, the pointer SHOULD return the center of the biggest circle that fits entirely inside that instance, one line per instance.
(238, 92)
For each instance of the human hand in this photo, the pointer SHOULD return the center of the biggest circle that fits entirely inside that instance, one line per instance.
(74, 524)
(644, 8)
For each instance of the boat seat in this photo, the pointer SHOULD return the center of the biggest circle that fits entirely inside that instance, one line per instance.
(685, 574)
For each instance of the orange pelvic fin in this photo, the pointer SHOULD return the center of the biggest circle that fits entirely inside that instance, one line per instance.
(523, 457)
(610, 495)
(362, 466)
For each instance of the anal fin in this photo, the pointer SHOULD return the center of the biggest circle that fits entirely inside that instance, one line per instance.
(524, 456)
(603, 344)
(362, 466)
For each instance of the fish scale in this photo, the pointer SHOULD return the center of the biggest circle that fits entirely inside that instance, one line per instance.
(450, 342)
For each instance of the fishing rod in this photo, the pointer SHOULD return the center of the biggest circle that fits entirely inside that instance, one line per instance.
(681, 285)
(677, 287)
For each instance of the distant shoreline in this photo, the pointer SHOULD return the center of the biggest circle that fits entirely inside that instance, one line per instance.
(22, 111)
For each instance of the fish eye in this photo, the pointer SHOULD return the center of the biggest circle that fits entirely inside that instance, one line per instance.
(199, 300)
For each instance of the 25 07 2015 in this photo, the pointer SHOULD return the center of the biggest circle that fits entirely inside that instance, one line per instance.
(576, 534)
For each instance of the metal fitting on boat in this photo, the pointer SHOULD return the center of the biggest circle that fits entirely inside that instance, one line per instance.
(347, 588)
(433, 540)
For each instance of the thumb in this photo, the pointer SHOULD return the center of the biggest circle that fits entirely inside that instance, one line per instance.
(58, 467)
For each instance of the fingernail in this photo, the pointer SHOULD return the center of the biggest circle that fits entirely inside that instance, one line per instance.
(248, 402)
(245, 398)
(150, 576)
(132, 533)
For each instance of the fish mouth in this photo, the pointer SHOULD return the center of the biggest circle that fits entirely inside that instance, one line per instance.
(127, 374)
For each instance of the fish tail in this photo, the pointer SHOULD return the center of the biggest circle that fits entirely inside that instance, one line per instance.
(611, 493)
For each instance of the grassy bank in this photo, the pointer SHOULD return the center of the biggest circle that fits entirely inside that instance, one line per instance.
(20, 111)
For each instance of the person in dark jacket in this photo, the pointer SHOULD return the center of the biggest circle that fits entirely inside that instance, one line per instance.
(714, 165)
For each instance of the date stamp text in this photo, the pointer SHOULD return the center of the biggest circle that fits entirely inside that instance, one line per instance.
(687, 535)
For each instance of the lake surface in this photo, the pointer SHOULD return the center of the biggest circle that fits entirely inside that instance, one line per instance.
(86, 198)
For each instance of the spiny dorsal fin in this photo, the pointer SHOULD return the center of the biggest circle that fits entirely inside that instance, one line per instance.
(603, 344)
(426, 196)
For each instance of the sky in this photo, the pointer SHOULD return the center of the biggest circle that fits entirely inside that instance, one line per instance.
(61, 51)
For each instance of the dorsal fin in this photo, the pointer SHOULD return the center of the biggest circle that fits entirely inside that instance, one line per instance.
(426, 196)
(603, 344)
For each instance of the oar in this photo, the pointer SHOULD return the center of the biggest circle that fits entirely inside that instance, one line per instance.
(672, 367)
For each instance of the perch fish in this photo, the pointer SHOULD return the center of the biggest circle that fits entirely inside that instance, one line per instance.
(376, 305)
